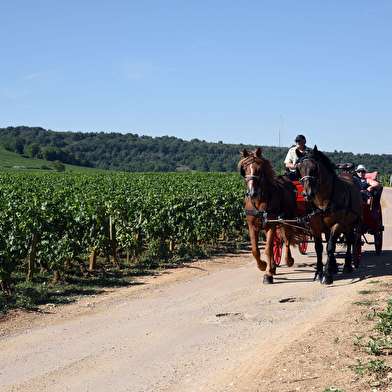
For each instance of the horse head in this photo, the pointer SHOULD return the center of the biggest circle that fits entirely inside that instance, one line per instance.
(257, 171)
(252, 170)
(307, 170)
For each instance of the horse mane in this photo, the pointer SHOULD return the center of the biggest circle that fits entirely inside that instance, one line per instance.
(322, 158)
(269, 171)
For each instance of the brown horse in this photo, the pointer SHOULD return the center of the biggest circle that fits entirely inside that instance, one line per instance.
(338, 204)
(267, 199)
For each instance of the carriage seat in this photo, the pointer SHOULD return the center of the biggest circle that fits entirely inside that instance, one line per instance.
(347, 167)
(372, 176)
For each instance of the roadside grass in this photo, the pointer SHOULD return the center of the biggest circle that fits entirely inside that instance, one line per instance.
(377, 345)
(373, 365)
(42, 290)
(77, 282)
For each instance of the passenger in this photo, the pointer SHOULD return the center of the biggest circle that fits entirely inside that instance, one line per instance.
(367, 184)
(291, 157)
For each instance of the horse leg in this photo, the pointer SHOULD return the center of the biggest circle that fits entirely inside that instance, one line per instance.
(347, 269)
(335, 268)
(329, 266)
(271, 265)
(318, 245)
(289, 237)
(334, 265)
(254, 232)
(289, 259)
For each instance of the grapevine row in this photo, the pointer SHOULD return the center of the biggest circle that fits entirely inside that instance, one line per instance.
(51, 217)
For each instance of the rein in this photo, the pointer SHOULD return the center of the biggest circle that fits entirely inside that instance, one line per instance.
(315, 179)
(263, 213)
(248, 177)
(328, 208)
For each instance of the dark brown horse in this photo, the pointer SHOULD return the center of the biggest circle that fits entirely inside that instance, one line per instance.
(267, 199)
(338, 204)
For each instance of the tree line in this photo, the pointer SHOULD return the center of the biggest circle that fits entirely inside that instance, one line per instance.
(133, 153)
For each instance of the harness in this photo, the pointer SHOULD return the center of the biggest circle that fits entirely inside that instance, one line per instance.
(329, 208)
(267, 212)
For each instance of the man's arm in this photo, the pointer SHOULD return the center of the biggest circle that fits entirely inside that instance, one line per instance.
(373, 184)
(289, 159)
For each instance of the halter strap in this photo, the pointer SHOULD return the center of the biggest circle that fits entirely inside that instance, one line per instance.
(329, 208)
(262, 214)
(316, 179)
(249, 160)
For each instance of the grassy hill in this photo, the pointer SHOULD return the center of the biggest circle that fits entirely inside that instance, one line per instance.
(133, 153)
(9, 159)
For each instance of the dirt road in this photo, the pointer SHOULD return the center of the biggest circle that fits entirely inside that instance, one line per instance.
(212, 326)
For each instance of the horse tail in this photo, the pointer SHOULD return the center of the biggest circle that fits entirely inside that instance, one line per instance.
(291, 235)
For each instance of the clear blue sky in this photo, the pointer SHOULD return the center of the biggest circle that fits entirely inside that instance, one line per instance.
(216, 70)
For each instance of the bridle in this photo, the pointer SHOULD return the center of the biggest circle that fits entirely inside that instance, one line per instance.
(251, 177)
(307, 178)
(329, 208)
(263, 214)
(313, 178)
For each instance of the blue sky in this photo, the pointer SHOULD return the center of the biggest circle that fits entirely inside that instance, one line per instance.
(215, 70)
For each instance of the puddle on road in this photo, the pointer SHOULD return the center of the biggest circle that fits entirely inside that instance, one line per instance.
(226, 318)
(236, 315)
(271, 312)
(290, 299)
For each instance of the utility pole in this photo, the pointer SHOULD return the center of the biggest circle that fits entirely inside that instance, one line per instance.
(280, 131)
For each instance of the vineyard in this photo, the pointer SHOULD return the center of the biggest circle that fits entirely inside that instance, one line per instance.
(49, 221)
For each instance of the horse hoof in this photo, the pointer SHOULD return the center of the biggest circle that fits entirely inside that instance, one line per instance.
(290, 262)
(326, 280)
(268, 280)
(347, 269)
(317, 277)
(262, 265)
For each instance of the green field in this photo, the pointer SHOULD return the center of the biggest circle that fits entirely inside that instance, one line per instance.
(9, 159)
(52, 224)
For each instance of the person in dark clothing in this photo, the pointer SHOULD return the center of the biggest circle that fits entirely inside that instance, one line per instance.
(366, 184)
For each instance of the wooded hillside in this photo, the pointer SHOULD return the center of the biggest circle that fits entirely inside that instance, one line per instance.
(134, 153)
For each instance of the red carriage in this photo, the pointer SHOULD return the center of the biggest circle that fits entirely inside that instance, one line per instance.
(370, 224)
(322, 202)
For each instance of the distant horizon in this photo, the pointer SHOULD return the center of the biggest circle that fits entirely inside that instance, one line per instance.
(221, 70)
(190, 140)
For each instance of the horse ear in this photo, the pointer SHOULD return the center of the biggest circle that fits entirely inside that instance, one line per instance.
(258, 152)
(315, 150)
(245, 152)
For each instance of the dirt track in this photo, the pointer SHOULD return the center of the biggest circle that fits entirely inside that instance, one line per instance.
(212, 326)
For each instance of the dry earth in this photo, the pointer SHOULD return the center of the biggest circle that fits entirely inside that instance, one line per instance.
(209, 326)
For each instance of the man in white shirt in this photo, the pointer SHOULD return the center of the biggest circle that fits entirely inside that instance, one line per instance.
(291, 157)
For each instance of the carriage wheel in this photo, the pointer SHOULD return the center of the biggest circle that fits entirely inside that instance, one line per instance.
(277, 250)
(378, 237)
(357, 246)
(303, 243)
